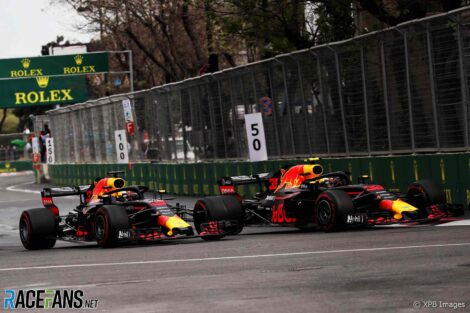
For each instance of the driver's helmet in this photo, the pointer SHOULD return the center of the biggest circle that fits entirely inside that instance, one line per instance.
(119, 196)
(331, 182)
(326, 182)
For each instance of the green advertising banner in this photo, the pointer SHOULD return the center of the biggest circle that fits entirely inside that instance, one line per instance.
(48, 80)
(72, 64)
(42, 90)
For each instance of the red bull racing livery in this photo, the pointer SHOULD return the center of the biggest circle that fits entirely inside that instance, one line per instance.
(302, 196)
(111, 212)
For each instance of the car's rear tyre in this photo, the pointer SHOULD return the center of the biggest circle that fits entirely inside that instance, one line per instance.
(424, 193)
(108, 221)
(38, 229)
(331, 210)
(218, 208)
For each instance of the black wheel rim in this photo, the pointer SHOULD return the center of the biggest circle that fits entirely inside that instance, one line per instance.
(24, 231)
(100, 227)
(324, 212)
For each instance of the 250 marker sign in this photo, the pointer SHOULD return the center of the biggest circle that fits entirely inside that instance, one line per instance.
(256, 139)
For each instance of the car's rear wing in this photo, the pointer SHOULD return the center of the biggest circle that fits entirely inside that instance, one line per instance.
(270, 180)
(65, 191)
(244, 179)
(47, 195)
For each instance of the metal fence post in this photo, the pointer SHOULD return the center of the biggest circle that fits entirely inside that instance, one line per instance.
(463, 84)
(276, 130)
(243, 93)
(95, 141)
(385, 87)
(341, 101)
(320, 81)
(224, 134)
(183, 127)
(191, 116)
(236, 131)
(364, 91)
(304, 107)
(212, 121)
(408, 89)
(432, 85)
(131, 70)
(244, 97)
(172, 130)
(289, 113)
(255, 93)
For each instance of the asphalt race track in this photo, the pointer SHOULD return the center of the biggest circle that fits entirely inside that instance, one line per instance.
(383, 269)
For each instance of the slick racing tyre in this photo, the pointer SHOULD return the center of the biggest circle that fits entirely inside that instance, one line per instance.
(425, 193)
(331, 210)
(38, 229)
(108, 221)
(218, 208)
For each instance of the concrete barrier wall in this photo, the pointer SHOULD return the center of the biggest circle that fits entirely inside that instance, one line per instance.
(452, 171)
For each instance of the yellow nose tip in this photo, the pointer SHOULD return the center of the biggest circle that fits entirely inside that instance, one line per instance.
(398, 216)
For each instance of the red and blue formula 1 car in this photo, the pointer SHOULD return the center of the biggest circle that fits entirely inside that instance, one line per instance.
(110, 212)
(303, 196)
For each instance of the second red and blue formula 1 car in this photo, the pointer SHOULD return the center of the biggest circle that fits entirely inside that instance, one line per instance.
(302, 195)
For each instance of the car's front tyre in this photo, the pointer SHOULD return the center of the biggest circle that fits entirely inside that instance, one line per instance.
(424, 193)
(331, 210)
(108, 221)
(215, 209)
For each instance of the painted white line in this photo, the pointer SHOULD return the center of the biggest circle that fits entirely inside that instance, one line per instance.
(15, 188)
(93, 285)
(8, 227)
(16, 173)
(456, 223)
(30, 286)
(231, 257)
(391, 225)
(16, 201)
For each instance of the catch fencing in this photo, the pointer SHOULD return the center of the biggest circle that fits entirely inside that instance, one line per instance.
(404, 90)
